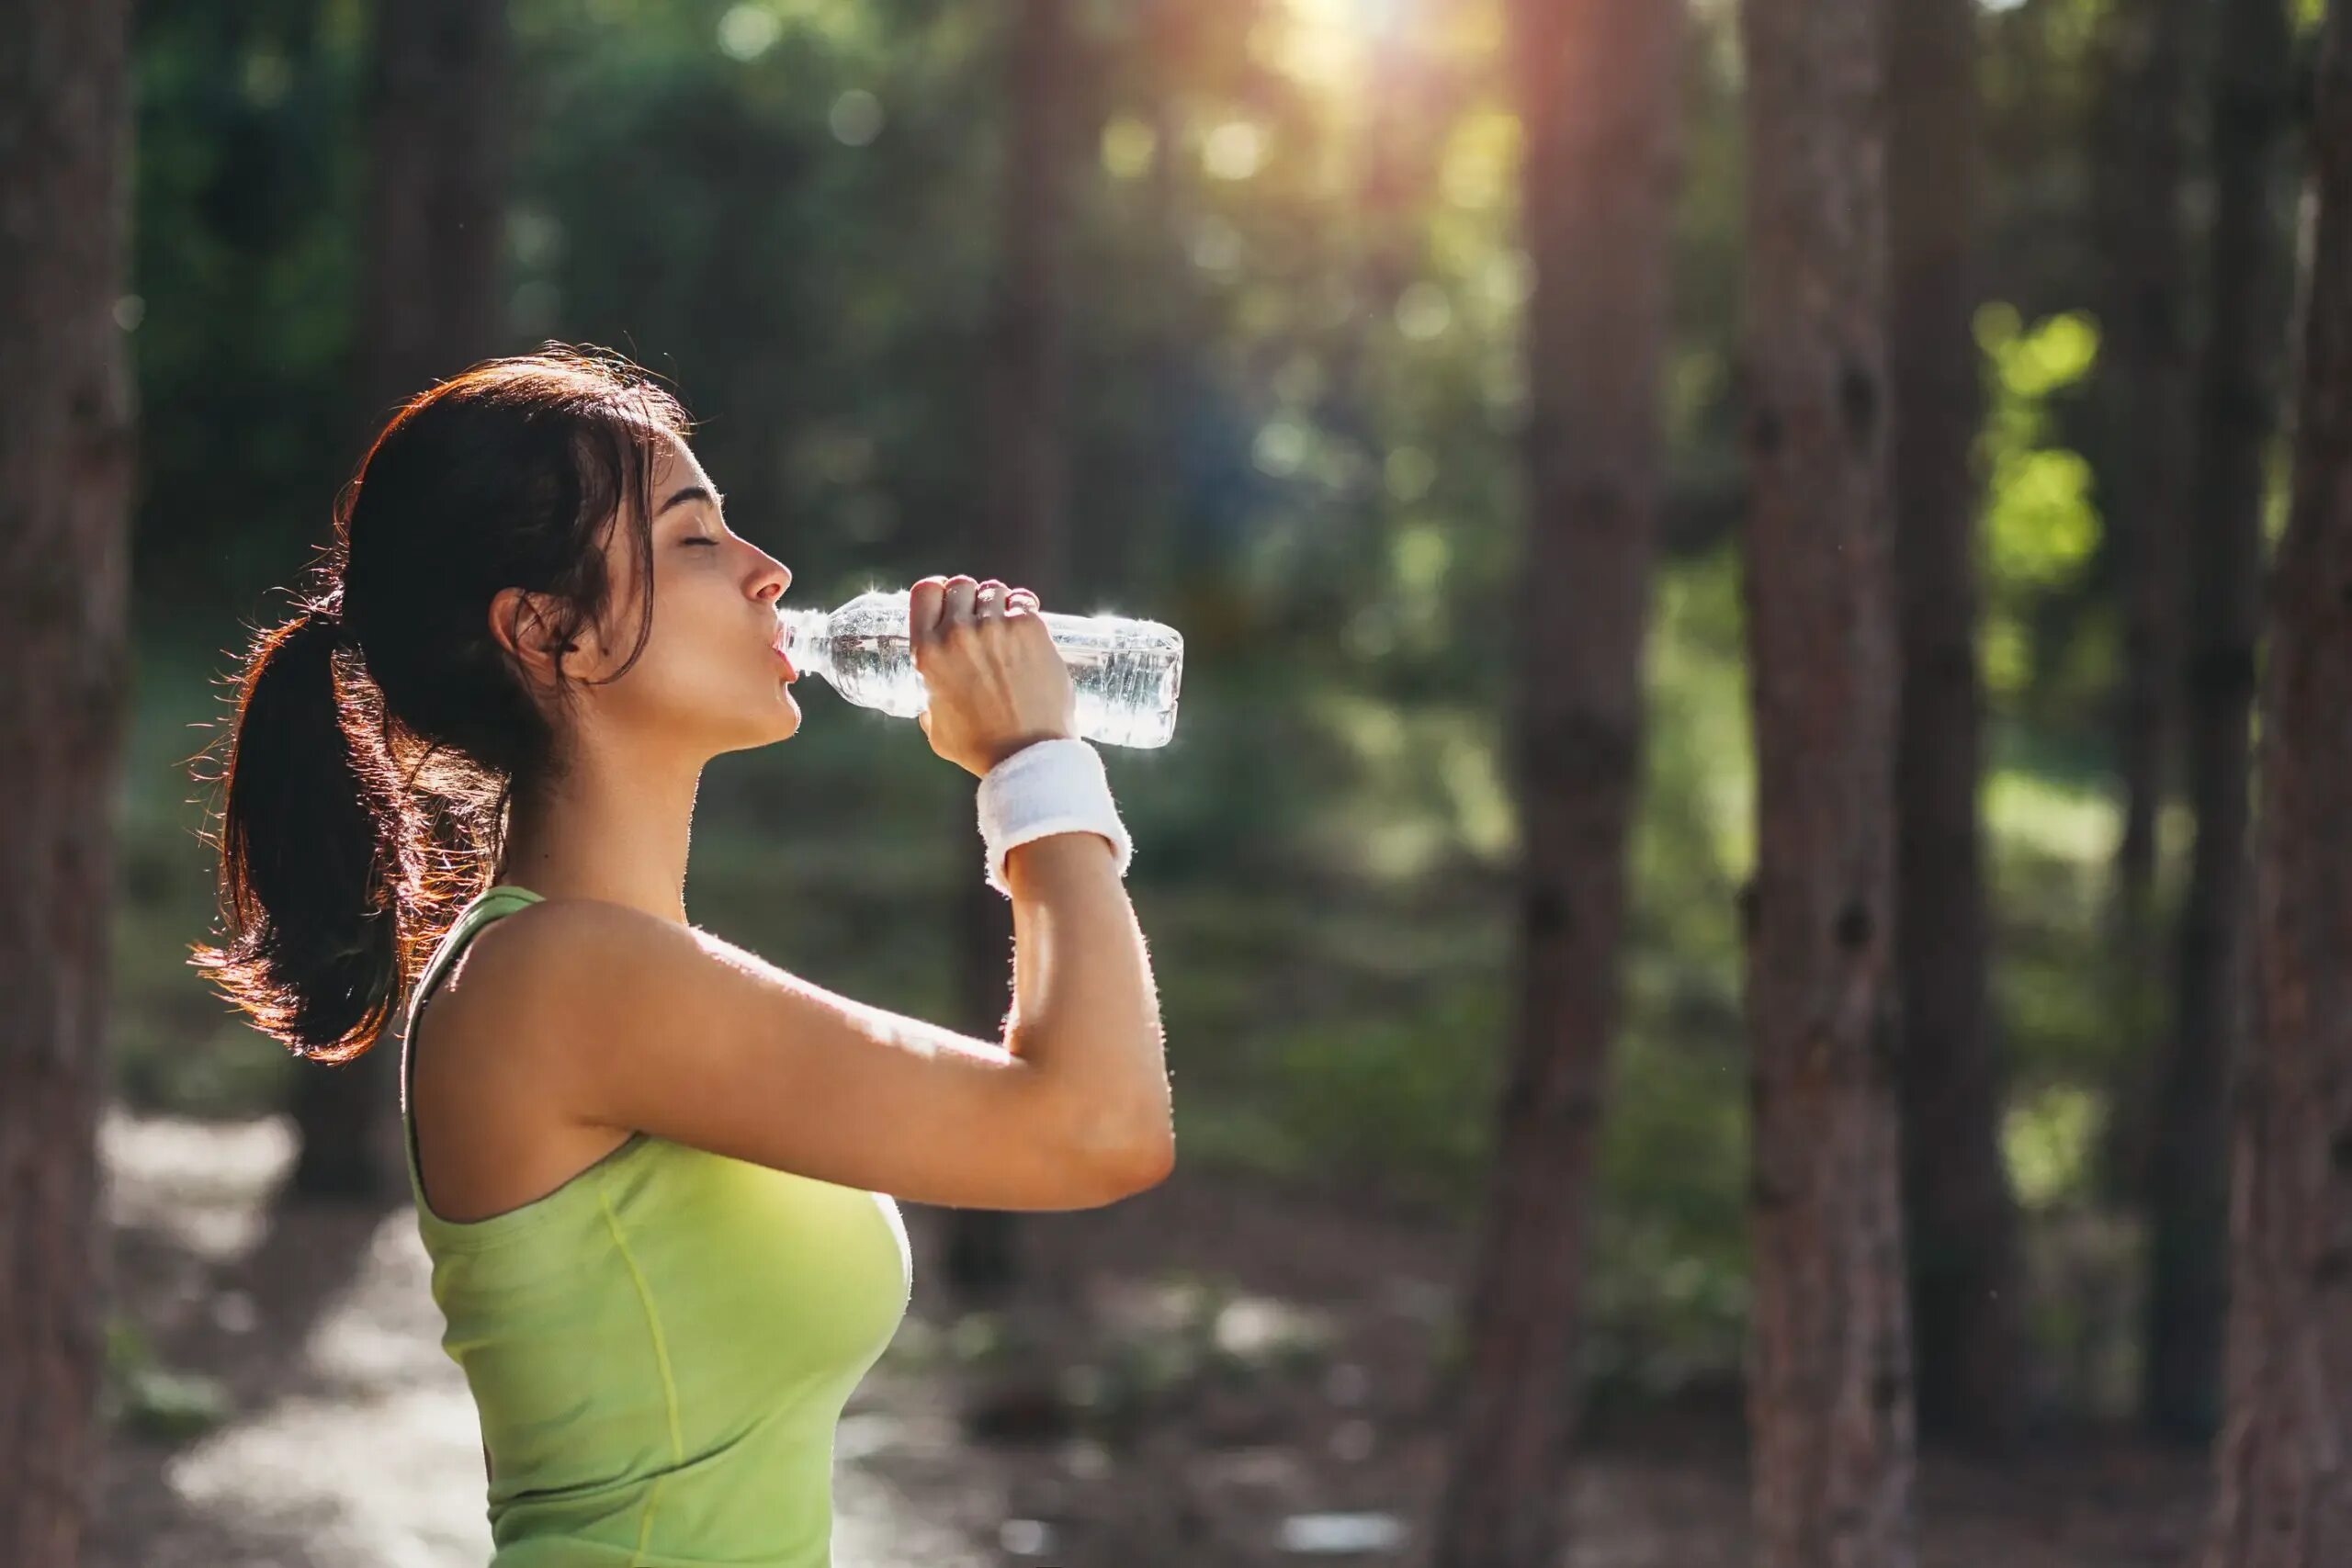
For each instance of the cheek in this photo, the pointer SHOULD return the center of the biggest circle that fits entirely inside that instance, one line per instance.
(689, 660)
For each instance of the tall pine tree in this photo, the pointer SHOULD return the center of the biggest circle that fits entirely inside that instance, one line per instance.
(2283, 1492)
(1963, 1234)
(1597, 87)
(1829, 1391)
(2236, 410)
(64, 580)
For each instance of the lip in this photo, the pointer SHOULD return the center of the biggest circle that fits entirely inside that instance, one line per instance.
(786, 659)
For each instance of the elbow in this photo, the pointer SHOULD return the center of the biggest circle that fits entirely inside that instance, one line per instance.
(1147, 1155)
(1137, 1170)
(1125, 1142)
(1153, 1163)
(1133, 1160)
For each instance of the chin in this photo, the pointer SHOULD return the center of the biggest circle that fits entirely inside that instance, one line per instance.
(740, 731)
(780, 723)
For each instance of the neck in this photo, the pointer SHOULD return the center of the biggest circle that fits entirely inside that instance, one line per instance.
(610, 833)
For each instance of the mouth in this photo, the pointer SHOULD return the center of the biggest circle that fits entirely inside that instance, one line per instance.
(784, 658)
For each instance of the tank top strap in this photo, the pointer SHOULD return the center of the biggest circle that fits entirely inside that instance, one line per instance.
(503, 899)
(488, 906)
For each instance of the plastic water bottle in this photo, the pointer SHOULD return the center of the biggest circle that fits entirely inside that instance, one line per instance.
(1126, 672)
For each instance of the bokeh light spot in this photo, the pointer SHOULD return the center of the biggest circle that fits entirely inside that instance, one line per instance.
(1423, 311)
(746, 32)
(1234, 150)
(1128, 145)
(1281, 448)
(856, 118)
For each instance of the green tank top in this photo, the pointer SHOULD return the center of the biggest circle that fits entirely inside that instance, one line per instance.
(659, 1349)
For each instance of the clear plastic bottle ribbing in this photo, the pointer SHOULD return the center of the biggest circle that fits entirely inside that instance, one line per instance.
(1126, 672)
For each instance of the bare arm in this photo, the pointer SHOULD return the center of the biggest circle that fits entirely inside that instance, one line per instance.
(625, 1021)
(1086, 1011)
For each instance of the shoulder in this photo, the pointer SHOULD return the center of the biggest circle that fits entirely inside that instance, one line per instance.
(559, 960)
(540, 999)
(541, 924)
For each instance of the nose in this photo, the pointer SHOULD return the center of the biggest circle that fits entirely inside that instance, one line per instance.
(774, 579)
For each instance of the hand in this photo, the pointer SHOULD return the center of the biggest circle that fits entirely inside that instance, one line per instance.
(997, 682)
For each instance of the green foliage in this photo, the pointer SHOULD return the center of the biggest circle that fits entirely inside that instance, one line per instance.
(2048, 1142)
(2050, 847)
(137, 1394)
(1407, 1099)
(1669, 1251)
(2039, 526)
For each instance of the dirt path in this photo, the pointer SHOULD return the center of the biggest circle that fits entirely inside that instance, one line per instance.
(354, 1442)
(1202, 1364)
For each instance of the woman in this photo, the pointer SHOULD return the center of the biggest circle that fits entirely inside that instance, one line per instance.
(655, 1175)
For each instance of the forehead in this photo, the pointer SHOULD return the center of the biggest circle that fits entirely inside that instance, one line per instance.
(675, 467)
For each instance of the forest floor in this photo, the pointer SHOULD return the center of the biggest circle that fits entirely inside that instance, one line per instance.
(1207, 1361)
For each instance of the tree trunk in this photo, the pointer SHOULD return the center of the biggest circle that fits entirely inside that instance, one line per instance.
(1599, 94)
(65, 441)
(436, 199)
(1962, 1220)
(2143, 441)
(1026, 541)
(430, 306)
(2237, 396)
(2283, 1494)
(1829, 1391)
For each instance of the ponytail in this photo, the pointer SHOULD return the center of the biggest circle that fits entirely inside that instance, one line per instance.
(313, 955)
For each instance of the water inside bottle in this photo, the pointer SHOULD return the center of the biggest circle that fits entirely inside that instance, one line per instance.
(1126, 674)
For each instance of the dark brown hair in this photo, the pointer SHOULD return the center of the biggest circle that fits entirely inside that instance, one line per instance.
(380, 736)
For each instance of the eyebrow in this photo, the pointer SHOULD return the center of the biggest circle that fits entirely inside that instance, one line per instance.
(691, 492)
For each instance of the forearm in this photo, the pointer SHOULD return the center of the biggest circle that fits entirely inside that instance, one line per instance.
(1085, 1011)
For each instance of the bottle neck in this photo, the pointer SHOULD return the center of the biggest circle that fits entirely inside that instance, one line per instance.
(805, 642)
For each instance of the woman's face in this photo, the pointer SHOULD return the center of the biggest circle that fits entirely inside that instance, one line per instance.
(708, 678)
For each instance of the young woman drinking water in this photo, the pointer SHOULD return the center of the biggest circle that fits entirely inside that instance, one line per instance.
(656, 1176)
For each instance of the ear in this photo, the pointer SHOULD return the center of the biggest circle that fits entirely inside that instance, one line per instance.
(521, 623)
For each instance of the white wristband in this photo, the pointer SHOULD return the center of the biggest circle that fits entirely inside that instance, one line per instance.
(1047, 787)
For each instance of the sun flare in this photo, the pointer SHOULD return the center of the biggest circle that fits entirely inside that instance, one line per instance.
(1324, 41)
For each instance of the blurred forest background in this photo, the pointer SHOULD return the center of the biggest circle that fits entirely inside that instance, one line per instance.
(1267, 267)
(1294, 284)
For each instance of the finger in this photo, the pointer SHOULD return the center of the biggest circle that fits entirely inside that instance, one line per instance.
(955, 607)
(922, 607)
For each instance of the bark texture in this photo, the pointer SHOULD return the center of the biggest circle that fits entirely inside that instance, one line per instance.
(1829, 1391)
(2283, 1495)
(438, 180)
(65, 442)
(2236, 404)
(1962, 1220)
(1598, 84)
